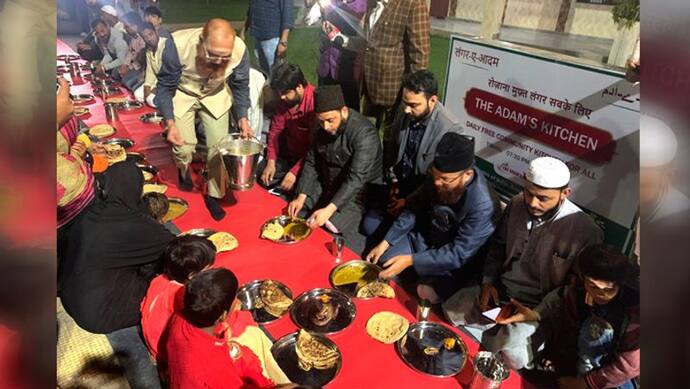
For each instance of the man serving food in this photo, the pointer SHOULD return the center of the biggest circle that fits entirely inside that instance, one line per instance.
(210, 80)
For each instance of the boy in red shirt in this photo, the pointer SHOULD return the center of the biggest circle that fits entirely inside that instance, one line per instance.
(200, 357)
(183, 258)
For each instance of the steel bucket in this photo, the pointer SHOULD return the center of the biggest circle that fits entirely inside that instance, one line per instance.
(240, 158)
(489, 371)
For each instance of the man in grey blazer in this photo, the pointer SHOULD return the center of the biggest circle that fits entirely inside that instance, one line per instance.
(410, 147)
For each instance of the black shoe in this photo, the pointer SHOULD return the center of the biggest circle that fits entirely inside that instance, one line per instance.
(217, 212)
(186, 184)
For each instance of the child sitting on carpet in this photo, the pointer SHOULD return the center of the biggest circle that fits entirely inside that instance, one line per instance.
(183, 258)
(201, 351)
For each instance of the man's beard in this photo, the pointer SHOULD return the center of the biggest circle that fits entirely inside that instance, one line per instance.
(448, 197)
(341, 128)
(293, 103)
(423, 116)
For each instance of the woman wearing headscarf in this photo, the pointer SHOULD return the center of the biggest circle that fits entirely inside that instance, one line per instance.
(113, 252)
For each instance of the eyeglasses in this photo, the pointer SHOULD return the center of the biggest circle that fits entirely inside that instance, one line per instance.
(214, 59)
(608, 287)
(445, 180)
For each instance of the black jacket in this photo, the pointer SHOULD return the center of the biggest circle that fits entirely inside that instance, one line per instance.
(343, 164)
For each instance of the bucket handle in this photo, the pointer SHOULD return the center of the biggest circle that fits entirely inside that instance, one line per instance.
(237, 135)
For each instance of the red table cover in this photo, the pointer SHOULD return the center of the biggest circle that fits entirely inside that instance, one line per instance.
(366, 363)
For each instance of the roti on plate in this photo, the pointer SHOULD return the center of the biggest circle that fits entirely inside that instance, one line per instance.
(114, 153)
(148, 176)
(273, 299)
(223, 241)
(102, 130)
(116, 100)
(311, 353)
(273, 231)
(376, 289)
(80, 111)
(387, 327)
(158, 188)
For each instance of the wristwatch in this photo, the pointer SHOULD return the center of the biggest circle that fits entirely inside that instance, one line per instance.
(284, 43)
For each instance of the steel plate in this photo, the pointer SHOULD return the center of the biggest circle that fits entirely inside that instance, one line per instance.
(129, 105)
(68, 57)
(108, 91)
(124, 142)
(425, 335)
(370, 273)
(248, 295)
(137, 158)
(82, 99)
(151, 117)
(175, 201)
(150, 169)
(284, 220)
(285, 355)
(308, 307)
(201, 232)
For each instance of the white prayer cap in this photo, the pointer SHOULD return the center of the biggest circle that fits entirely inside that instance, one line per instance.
(109, 9)
(658, 143)
(548, 172)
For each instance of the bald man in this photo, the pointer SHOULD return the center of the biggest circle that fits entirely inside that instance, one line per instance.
(209, 78)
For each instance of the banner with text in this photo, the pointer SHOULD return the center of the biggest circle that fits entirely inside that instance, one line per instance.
(520, 106)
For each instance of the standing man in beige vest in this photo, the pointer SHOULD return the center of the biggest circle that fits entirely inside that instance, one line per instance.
(211, 80)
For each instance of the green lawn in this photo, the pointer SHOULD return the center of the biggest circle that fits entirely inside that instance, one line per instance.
(199, 11)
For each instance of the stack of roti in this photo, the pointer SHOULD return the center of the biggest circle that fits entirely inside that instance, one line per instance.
(114, 153)
(387, 327)
(223, 241)
(273, 299)
(376, 289)
(311, 353)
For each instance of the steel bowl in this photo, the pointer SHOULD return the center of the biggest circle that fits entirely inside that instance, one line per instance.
(200, 232)
(284, 220)
(129, 105)
(285, 355)
(125, 143)
(421, 336)
(82, 99)
(151, 117)
(307, 305)
(370, 273)
(248, 295)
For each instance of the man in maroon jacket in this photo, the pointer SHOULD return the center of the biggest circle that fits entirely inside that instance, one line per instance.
(293, 121)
